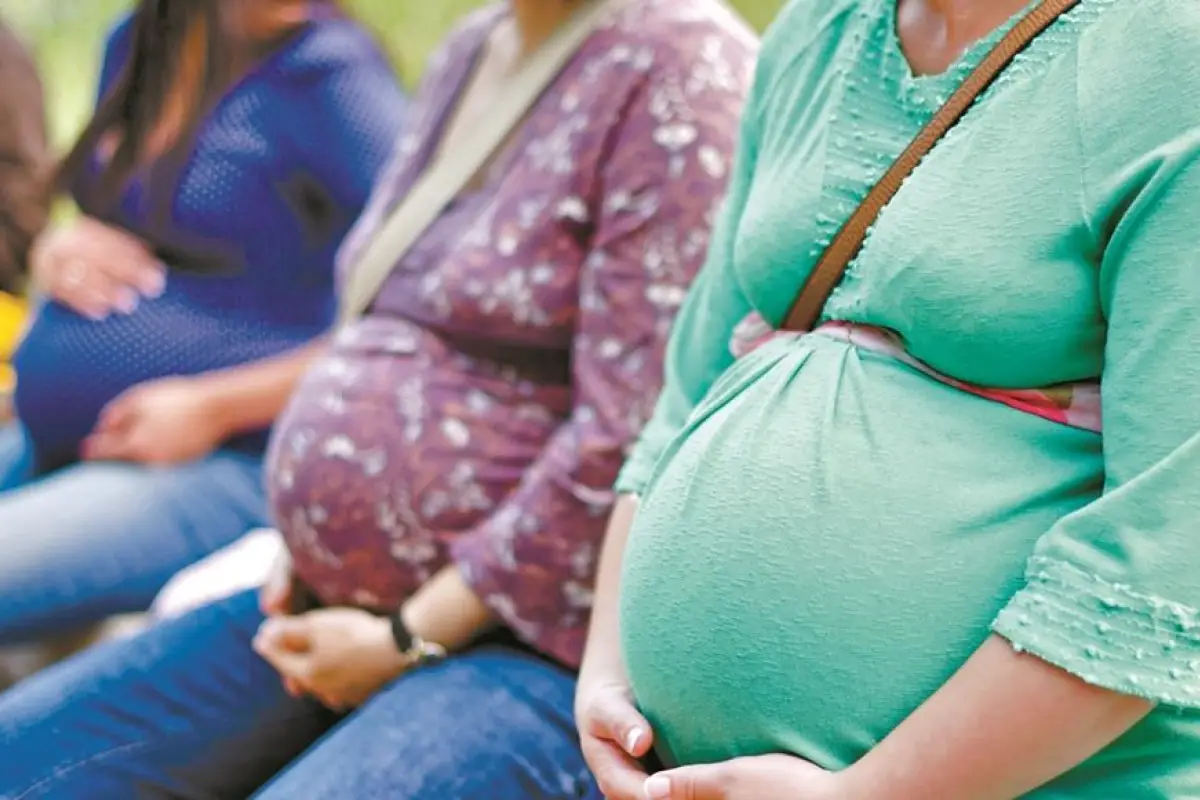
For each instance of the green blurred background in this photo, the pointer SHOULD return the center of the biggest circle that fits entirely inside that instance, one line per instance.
(67, 35)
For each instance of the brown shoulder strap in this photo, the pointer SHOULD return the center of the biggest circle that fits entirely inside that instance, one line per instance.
(827, 274)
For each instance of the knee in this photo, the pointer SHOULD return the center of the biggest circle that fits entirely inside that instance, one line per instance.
(485, 726)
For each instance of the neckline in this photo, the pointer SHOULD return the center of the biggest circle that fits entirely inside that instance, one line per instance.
(930, 91)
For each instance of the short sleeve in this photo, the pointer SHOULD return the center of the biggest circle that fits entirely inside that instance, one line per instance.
(1113, 590)
(698, 349)
(533, 559)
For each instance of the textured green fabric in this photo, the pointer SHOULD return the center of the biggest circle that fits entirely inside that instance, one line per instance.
(825, 534)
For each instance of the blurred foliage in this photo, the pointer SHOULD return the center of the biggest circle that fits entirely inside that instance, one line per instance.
(67, 35)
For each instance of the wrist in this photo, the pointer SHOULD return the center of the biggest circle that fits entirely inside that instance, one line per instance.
(602, 663)
(860, 781)
(446, 611)
(413, 647)
(218, 413)
(390, 658)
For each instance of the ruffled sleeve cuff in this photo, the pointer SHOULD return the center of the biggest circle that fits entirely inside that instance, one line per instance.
(1107, 634)
(634, 475)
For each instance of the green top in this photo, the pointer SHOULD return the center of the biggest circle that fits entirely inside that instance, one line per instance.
(827, 534)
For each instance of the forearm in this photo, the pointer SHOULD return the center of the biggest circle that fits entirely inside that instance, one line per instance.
(603, 645)
(1005, 724)
(447, 611)
(249, 397)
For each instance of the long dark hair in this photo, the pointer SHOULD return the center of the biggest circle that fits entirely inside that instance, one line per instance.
(182, 56)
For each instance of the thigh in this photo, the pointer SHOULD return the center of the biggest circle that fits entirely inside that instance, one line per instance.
(492, 724)
(16, 457)
(94, 540)
(183, 710)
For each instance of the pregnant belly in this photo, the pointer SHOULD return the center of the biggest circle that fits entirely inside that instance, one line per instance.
(68, 367)
(825, 545)
(386, 453)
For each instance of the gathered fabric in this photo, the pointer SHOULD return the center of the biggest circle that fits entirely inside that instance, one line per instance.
(1075, 404)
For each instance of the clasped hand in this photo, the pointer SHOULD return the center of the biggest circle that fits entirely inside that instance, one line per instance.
(615, 737)
(340, 656)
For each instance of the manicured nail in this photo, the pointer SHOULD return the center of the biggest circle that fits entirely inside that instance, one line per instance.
(154, 284)
(267, 634)
(658, 787)
(127, 301)
(632, 740)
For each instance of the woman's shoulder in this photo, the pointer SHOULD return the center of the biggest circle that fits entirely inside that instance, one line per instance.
(681, 32)
(799, 25)
(331, 46)
(463, 40)
(117, 41)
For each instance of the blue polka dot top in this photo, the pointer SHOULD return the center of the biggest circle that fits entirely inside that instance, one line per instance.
(247, 225)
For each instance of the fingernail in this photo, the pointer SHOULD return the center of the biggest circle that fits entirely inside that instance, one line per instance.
(658, 787)
(155, 284)
(632, 740)
(127, 302)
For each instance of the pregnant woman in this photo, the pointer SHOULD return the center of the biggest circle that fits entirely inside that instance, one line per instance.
(234, 143)
(945, 546)
(443, 473)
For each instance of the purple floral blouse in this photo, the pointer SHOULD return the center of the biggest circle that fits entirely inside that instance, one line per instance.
(480, 411)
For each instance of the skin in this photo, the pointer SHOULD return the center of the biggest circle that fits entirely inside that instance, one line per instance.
(343, 658)
(1042, 721)
(178, 419)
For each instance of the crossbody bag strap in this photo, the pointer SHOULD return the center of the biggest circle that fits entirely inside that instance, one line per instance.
(443, 179)
(827, 274)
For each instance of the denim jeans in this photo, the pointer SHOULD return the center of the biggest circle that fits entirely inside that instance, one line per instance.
(92, 540)
(186, 709)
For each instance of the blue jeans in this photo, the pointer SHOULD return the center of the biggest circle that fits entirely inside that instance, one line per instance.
(188, 710)
(92, 540)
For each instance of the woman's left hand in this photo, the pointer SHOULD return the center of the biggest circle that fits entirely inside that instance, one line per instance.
(777, 777)
(341, 656)
(161, 423)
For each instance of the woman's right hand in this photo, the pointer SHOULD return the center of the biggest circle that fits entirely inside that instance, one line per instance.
(613, 733)
(275, 596)
(94, 268)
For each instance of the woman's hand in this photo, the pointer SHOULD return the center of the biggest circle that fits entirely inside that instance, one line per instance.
(341, 656)
(275, 596)
(613, 734)
(275, 600)
(161, 423)
(95, 269)
(777, 777)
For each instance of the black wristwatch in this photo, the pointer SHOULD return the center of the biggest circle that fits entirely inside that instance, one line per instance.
(416, 651)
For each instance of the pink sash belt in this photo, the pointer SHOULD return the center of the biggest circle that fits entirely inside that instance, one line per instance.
(1073, 404)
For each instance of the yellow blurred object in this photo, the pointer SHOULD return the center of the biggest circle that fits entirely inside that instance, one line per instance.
(12, 324)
